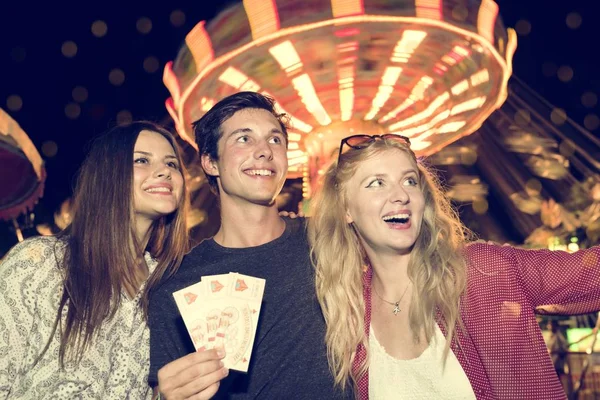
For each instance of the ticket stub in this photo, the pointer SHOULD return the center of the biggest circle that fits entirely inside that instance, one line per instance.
(223, 311)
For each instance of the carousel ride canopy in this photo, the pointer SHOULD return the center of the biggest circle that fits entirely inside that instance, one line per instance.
(22, 172)
(432, 70)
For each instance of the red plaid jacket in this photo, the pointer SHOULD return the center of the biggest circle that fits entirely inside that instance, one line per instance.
(502, 351)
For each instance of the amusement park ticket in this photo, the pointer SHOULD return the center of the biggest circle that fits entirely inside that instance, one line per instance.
(222, 311)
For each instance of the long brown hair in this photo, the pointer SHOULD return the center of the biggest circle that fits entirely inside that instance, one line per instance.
(98, 260)
(436, 266)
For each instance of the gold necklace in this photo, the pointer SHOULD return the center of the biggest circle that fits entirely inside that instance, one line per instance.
(396, 304)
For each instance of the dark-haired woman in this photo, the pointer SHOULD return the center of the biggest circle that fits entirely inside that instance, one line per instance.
(73, 306)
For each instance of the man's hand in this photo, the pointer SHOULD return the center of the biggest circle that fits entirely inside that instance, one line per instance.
(196, 376)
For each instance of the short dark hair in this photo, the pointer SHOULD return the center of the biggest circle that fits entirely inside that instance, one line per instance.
(208, 129)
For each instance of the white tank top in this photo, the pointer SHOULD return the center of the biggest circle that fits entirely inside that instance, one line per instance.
(424, 377)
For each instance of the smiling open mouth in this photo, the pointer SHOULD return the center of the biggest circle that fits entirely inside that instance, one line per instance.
(259, 172)
(397, 219)
(159, 190)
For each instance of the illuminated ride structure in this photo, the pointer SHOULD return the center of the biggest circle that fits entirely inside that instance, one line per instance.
(433, 70)
(22, 174)
(349, 66)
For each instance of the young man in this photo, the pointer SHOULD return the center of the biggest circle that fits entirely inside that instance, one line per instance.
(243, 149)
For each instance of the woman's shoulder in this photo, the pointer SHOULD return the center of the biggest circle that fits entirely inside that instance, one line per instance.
(36, 253)
(488, 257)
(30, 280)
(36, 245)
(486, 248)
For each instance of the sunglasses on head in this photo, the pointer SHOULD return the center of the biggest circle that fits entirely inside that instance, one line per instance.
(362, 141)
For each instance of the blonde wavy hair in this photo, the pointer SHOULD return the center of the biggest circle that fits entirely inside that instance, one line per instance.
(436, 266)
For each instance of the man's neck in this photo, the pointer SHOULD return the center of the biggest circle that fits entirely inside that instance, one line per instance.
(248, 225)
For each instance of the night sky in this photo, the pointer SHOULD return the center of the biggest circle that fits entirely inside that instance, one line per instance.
(116, 72)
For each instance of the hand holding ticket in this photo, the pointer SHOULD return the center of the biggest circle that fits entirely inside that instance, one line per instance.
(222, 311)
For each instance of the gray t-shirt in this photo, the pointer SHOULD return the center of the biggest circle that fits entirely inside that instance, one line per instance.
(289, 358)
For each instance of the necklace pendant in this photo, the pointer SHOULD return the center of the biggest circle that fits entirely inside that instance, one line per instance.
(396, 308)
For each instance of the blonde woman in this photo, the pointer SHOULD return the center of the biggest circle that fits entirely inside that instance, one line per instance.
(412, 311)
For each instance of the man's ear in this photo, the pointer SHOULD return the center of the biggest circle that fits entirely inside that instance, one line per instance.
(209, 165)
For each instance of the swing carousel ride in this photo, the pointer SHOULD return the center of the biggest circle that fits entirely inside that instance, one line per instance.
(433, 70)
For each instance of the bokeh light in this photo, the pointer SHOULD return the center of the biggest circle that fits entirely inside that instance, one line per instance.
(69, 49)
(14, 102)
(72, 110)
(116, 77)
(124, 117)
(558, 116)
(589, 99)
(566, 148)
(523, 27)
(177, 18)
(80, 94)
(565, 73)
(49, 148)
(151, 64)
(99, 28)
(591, 122)
(144, 25)
(573, 20)
(522, 117)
